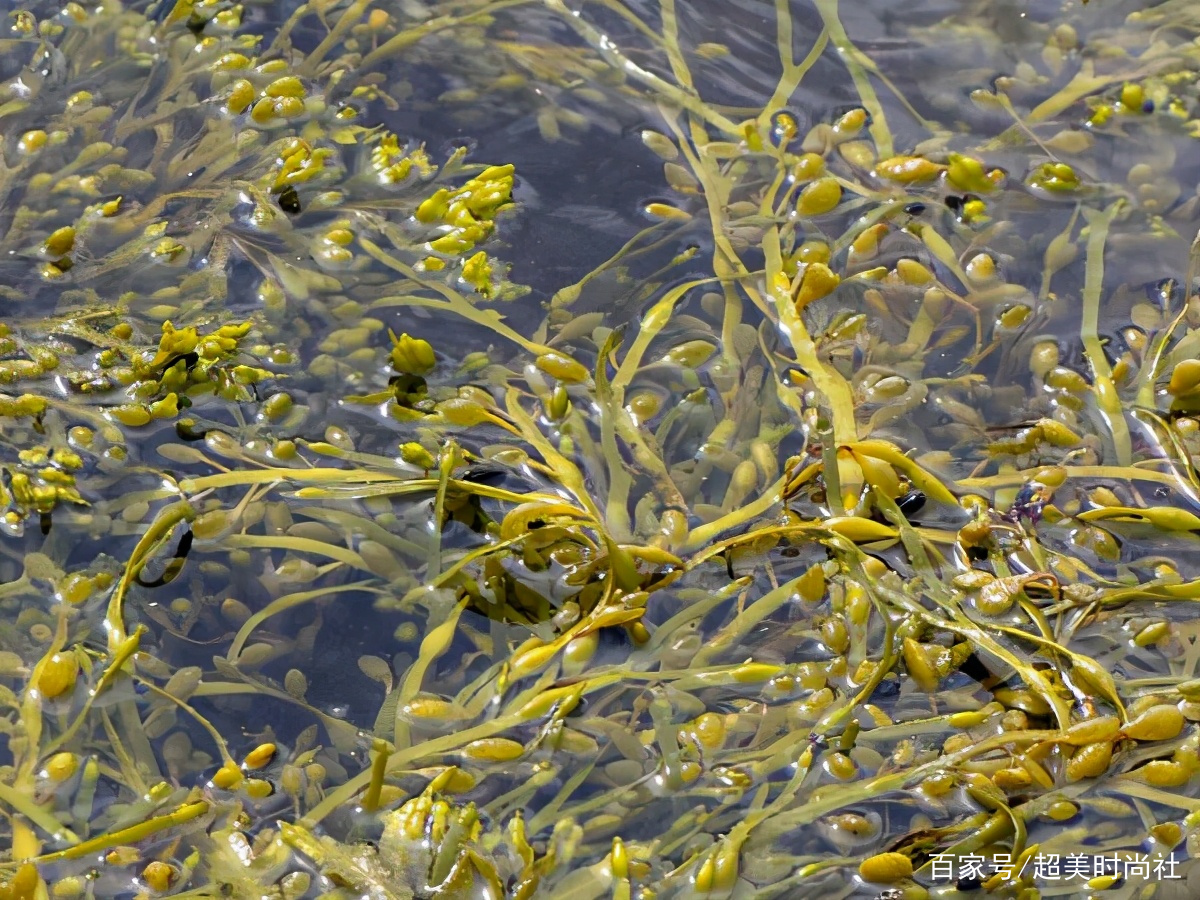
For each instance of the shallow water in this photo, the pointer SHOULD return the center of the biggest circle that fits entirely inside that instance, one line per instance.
(879, 545)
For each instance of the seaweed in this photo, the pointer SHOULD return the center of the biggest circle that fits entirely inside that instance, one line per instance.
(841, 522)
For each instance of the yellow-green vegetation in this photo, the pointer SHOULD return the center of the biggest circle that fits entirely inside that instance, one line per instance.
(847, 516)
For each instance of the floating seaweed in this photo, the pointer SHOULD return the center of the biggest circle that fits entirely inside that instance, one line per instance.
(839, 525)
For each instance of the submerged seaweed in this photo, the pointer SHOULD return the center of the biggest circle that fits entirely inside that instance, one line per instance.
(842, 522)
